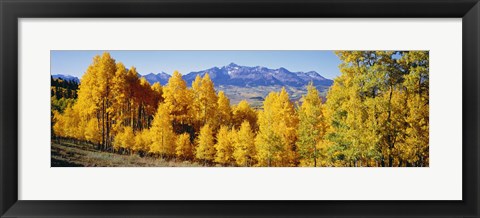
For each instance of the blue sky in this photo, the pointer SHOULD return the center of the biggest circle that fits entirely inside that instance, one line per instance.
(75, 62)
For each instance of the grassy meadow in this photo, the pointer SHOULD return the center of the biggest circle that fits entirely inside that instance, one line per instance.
(66, 153)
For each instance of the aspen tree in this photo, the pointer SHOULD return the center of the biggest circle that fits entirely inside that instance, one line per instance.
(125, 139)
(205, 150)
(184, 148)
(269, 142)
(142, 141)
(311, 129)
(161, 133)
(208, 103)
(224, 146)
(224, 111)
(178, 100)
(244, 147)
(242, 112)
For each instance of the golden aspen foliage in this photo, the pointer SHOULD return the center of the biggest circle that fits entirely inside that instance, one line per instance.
(376, 113)
(69, 125)
(157, 93)
(109, 97)
(92, 131)
(224, 146)
(88, 100)
(73, 125)
(95, 99)
(88, 106)
(184, 147)
(207, 103)
(241, 112)
(124, 139)
(142, 141)
(399, 111)
(161, 133)
(59, 125)
(178, 100)
(276, 138)
(289, 123)
(368, 108)
(243, 144)
(415, 152)
(337, 113)
(196, 86)
(105, 74)
(224, 111)
(120, 92)
(148, 103)
(196, 110)
(311, 129)
(205, 149)
(269, 142)
(352, 101)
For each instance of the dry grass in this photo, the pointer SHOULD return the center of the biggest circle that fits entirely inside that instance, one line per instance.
(70, 154)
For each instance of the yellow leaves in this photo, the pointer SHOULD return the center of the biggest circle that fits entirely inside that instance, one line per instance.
(242, 112)
(142, 141)
(224, 146)
(376, 113)
(184, 148)
(125, 139)
(205, 144)
(243, 143)
(69, 124)
(277, 131)
(369, 109)
(157, 88)
(311, 129)
(93, 132)
(178, 98)
(224, 111)
(60, 125)
(161, 132)
(205, 101)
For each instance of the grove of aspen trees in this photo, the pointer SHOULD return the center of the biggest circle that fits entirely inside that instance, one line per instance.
(376, 114)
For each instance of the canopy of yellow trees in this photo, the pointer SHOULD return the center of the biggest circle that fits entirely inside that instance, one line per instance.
(375, 114)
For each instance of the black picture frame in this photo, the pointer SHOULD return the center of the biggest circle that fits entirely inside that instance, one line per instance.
(11, 11)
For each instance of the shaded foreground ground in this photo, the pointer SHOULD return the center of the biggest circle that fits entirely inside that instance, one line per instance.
(68, 154)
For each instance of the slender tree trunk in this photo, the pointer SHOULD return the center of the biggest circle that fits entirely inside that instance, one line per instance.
(390, 135)
(108, 128)
(103, 123)
(131, 116)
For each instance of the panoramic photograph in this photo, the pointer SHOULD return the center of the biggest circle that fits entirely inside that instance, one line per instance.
(239, 108)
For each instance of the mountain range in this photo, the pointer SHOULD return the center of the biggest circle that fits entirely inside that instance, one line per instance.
(152, 78)
(66, 77)
(250, 83)
(241, 76)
